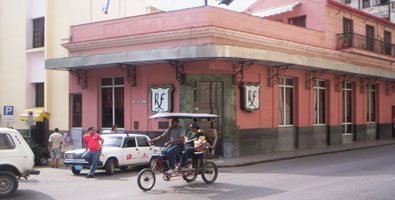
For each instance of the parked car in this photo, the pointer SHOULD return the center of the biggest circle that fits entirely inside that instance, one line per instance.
(41, 154)
(16, 160)
(119, 151)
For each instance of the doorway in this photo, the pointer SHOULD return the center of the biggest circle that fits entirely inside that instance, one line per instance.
(209, 99)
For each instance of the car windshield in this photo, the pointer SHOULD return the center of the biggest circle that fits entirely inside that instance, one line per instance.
(112, 140)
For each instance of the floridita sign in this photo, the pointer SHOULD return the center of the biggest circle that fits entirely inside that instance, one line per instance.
(161, 98)
(250, 96)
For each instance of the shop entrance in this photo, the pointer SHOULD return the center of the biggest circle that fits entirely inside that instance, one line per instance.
(209, 99)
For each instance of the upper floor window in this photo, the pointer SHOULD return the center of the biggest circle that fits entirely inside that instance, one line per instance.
(365, 3)
(38, 32)
(298, 21)
(346, 1)
(388, 42)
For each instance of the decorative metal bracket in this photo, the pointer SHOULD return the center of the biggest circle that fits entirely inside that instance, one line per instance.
(389, 87)
(238, 70)
(131, 73)
(274, 72)
(311, 76)
(179, 67)
(364, 84)
(339, 80)
(82, 77)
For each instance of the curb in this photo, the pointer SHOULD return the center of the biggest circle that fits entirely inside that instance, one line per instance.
(298, 156)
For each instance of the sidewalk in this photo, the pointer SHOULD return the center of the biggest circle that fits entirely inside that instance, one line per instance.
(277, 156)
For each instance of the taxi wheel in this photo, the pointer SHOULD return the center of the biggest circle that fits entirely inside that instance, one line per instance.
(110, 167)
(210, 172)
(8, 183)
(75, 172)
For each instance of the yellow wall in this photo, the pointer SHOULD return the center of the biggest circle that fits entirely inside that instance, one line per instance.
(13, 58)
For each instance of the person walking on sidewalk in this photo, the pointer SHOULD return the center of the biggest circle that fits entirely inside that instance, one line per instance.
(55, 142)
(67, 141)
(93, 145)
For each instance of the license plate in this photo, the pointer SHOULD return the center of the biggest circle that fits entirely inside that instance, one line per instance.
(78, 167)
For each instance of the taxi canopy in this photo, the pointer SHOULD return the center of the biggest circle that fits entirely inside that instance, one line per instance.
(38, 114)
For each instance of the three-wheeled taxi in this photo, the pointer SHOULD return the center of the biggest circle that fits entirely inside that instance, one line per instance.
(197, 165)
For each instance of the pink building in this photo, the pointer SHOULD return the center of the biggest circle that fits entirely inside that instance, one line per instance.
(284, 75)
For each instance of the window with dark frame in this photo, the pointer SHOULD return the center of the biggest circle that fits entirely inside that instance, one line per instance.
(371, 99)
(39, 94)
(298, 21)
(76, 110)
(369, 37)
(346, 1)
(286, 101)
(319, 102)
(388, 42)
(38, 32)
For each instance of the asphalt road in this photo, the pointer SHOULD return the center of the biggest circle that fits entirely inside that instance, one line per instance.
(362, 174)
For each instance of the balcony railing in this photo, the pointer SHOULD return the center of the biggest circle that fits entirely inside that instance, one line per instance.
(353, 40)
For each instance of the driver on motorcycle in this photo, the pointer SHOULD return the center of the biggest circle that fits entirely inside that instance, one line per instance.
(175, 143)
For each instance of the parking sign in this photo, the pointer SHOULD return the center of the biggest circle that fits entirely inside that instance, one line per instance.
(8, 113)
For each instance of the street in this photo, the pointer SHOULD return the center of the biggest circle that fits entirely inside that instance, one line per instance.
(362, 174)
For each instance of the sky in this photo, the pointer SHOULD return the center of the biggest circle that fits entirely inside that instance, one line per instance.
(236, 5)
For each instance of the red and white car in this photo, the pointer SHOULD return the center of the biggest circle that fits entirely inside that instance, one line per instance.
(119, 151)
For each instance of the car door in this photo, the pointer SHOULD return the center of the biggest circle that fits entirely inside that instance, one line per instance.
(129, 151)
(144, 148)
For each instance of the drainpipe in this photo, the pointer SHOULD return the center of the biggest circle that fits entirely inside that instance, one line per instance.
(205, 2)
(359, 4)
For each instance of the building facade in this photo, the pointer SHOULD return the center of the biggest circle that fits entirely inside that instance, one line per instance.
(283, 76)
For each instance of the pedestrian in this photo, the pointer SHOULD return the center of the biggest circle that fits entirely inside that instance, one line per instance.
(114, 129)
(93, 146)
(67, 141)
(55, 142)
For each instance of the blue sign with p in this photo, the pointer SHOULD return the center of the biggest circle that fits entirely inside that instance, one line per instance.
(8, 110)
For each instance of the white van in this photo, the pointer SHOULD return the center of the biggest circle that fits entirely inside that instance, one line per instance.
(16, 160)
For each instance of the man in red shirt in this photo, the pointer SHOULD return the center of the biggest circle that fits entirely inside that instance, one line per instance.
(93, 144)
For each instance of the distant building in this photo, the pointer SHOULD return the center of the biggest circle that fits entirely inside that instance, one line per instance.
(380, 8)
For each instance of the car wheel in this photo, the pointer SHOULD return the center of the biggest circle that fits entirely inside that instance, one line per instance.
(75, 172)
(8, 183)
(44, 161)
(110, 167)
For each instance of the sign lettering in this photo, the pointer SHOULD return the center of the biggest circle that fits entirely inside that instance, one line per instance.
(161, 98)
(250, 96)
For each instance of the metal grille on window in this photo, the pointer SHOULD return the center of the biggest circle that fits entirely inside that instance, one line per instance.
(38, 32)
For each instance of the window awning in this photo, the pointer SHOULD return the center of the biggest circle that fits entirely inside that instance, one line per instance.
(275, 10)
(38, 114)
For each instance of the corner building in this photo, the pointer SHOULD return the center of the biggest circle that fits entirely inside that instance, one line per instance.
(282, 76)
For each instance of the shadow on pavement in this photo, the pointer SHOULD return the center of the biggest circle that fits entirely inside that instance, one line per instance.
(28, 194)
(225, 191)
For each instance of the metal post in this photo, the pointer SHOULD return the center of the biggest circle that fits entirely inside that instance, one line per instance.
(206, 2)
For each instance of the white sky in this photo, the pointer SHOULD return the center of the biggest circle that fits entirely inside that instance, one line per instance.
(236, 5)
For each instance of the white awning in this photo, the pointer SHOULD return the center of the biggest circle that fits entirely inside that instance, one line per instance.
(275, 10)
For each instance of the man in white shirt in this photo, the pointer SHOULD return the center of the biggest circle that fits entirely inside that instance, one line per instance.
(55, 142)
